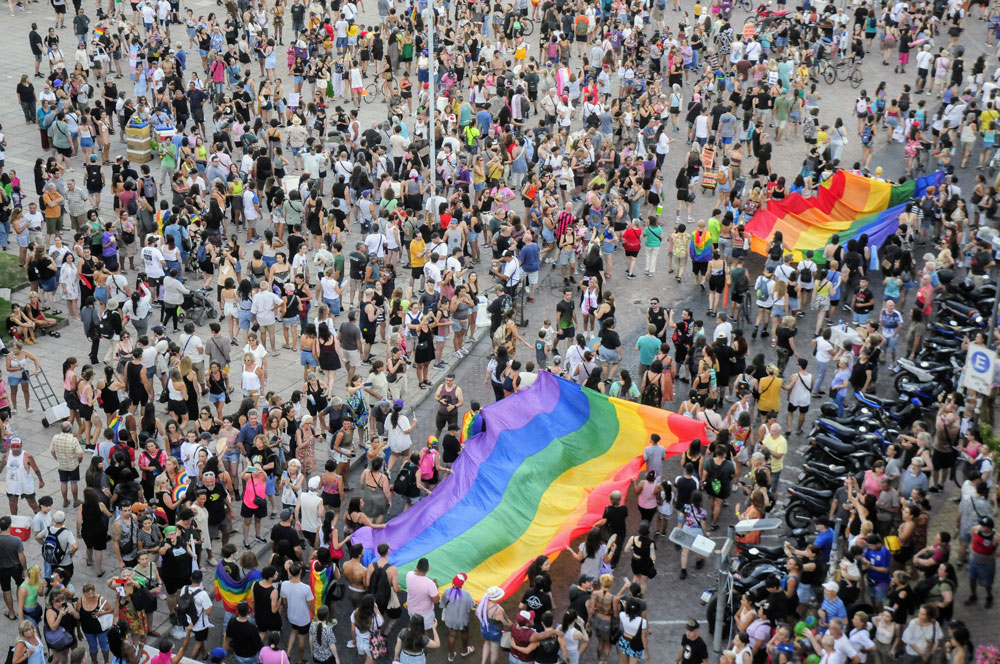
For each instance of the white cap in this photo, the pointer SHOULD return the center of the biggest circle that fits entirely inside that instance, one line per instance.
(832, 586)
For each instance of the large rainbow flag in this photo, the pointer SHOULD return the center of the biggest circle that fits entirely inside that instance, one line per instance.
(848, 205)
(537, 477)
(232, 592)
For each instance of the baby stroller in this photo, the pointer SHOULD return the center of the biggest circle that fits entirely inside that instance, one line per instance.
(198, 307)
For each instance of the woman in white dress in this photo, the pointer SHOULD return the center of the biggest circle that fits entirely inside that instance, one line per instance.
(69, 284)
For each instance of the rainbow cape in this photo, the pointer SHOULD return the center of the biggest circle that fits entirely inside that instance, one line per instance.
(472, 423)
(319, 582)
(232, 592)
(98, 31)
(849, 205)
(701, 246)
(537, 477)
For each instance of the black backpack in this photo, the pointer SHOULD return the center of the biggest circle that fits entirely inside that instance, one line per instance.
(379, 586)
(406, 481)
(186, 612)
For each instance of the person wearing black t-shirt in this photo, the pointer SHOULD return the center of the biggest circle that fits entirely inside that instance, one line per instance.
(693, 648)
(284, 530)
(450, 446)
(863, 302)
(537, 600)
(242, 634)
(26, 97)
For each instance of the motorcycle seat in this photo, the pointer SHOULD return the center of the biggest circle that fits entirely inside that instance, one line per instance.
(836, 446)
(821, 494)
(838, 429)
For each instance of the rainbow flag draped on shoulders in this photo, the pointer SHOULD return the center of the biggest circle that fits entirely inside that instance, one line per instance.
(537, 477)
(472, 423)
(701, 245)
(232, 592)
(848, 205)
(320, 579)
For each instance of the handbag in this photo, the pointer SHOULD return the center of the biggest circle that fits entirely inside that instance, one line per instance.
(258, 502)
(106, 621)
(58, 639)
(24, 374)
(377, 646)
(506, 641)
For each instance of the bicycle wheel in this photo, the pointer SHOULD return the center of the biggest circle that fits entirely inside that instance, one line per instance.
(843, 72)
(371, 93)
(856, 78)
(527, 26)
(829, 74)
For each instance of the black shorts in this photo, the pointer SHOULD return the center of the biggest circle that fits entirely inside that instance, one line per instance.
(60, 9)
(331, 500)
(172, 584)
(416, 272)
(301, 629)
(680, 353)
(69, 475)
(8, 574)
(443, 419)
(801, 409)
(252, 512)
(717, 283)
(568, 333)
(699, 267)
(66, 152)
(631, 254)
(201, 635)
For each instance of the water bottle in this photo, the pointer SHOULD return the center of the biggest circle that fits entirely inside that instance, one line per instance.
(659, 209)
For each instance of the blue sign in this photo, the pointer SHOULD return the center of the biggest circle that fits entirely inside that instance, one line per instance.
(980, 362)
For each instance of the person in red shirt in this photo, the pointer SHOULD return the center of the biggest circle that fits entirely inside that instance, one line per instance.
(632, 241)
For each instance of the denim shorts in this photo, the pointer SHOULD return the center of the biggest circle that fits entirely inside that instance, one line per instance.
(232, 456)
(307, 359)
(334, 306)
(246, 319)
(290, 322)
(269, 260)
(95, 640)
(216, 398)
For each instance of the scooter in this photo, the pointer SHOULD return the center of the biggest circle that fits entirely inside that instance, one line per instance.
(923, 371)
(816, 475)
(901, 412)
(805, 504)
(962, 313)
(925, 392)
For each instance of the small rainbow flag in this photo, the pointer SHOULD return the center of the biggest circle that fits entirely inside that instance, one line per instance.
(179, 492)
(98, 31)
(701, 246)
(320, 579)
(232, 592)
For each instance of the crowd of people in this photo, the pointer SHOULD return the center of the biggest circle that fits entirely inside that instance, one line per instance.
(362, 247)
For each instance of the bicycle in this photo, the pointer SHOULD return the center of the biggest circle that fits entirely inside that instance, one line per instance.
(382, 88)
(745, 5)
(826, 71)
(527, 26)
(849, 72)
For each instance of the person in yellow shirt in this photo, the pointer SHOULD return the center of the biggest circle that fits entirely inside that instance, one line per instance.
(418, 258)
(988, 115)
(769, 400)
(777, 445)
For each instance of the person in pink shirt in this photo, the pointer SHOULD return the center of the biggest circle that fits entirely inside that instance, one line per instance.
(422, 593)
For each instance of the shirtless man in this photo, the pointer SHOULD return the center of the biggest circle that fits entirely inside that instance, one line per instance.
(356, 576)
